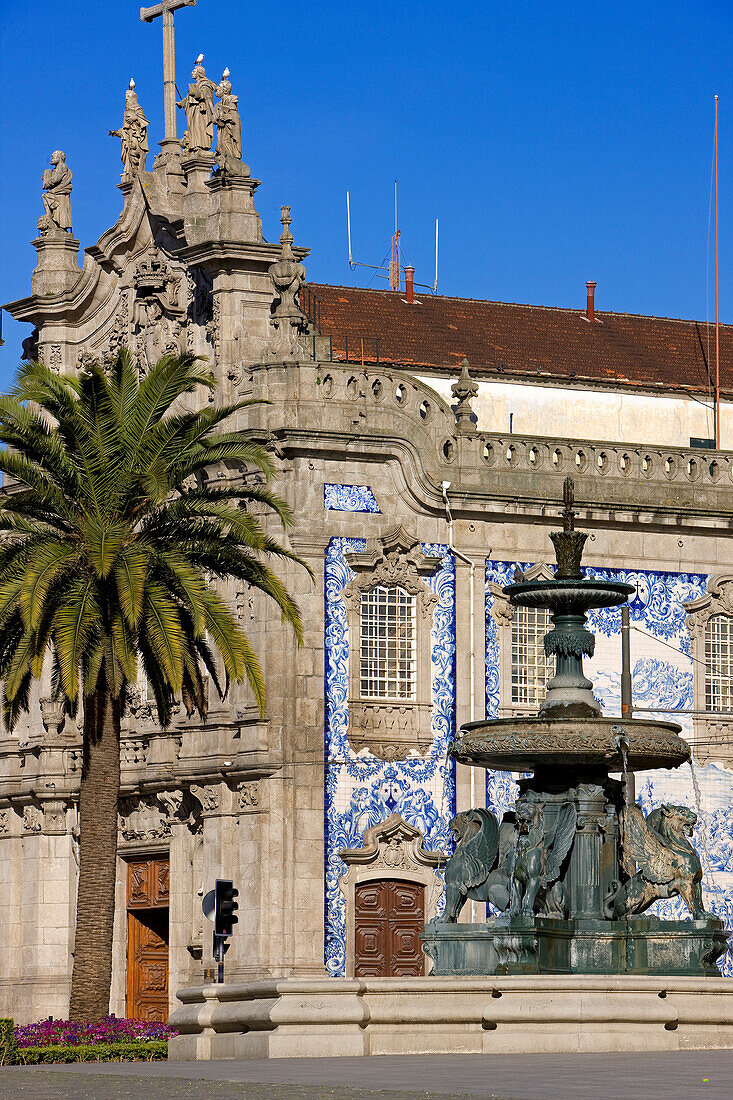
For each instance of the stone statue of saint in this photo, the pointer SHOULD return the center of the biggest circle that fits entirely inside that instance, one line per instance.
(200, 113)
(228, 122)
(133, 134)
(56, 198)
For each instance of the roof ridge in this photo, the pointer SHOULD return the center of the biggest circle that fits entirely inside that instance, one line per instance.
(527, 305)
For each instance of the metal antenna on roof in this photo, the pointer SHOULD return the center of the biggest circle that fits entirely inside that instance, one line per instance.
(348, 229)
(392, 270)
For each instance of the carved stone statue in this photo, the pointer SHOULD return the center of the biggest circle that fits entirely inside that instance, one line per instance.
(56, 198)
(668, 864)
(133, 134)
(228, 126)
(200, 112)
(540, 854)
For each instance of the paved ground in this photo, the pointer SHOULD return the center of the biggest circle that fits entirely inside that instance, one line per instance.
(681, 1075)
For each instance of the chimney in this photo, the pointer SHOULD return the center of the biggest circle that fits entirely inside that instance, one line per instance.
(409, 284)
(590, 305)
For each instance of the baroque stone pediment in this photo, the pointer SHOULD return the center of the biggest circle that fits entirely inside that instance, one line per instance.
(394, 559)
(718, 600)
(393, 844)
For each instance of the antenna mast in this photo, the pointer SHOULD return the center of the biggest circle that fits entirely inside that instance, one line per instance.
(348, 229)
(717, 295)
(435, 284)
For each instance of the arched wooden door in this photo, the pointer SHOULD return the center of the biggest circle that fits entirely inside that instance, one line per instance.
(389, 915)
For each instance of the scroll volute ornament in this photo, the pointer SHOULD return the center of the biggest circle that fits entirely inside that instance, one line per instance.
(391, 729)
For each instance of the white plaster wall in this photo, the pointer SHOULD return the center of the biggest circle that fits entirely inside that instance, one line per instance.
(577, 413)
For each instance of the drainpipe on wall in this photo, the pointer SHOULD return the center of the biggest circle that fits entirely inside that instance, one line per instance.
(445, 486)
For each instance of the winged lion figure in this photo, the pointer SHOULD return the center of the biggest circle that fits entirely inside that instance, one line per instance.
(668, 865)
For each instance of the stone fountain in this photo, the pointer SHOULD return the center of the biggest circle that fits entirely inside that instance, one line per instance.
(572, 868)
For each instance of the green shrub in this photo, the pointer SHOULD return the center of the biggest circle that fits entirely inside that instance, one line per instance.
(93, 1052)
(8, 1045)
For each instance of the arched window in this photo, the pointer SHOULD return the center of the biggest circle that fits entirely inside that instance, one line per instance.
(387, 649)
(719, 663)
(531, 669)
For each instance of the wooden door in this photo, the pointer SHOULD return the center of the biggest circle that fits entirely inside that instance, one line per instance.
(147, 939)
(389, 916)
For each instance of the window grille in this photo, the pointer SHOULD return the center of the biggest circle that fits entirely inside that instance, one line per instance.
(719, 663)
(388, 653)
(531, 669)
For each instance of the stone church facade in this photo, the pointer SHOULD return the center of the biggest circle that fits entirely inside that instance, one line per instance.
(331, 813)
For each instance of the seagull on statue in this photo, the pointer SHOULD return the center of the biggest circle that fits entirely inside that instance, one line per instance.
(199, 59)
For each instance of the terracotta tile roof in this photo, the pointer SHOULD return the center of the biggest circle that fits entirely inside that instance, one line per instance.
(531, 342)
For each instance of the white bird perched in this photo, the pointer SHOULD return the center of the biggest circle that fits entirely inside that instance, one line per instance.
(132, 84)
(226, 74)
(199, 59)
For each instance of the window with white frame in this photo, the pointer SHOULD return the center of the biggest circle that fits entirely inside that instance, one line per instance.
(388, 644)
(719, 663)
(531, 669)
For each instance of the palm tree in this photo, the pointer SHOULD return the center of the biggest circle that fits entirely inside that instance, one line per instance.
(110, 538)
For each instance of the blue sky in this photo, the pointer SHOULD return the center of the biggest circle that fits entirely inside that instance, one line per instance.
(556, 141)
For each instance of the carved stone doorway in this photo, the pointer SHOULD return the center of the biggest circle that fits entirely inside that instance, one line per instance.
(147, 939)
(389, 916)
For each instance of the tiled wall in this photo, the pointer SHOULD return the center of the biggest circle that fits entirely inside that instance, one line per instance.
(361, 790)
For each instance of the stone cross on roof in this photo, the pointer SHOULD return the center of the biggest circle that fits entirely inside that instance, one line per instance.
(166, 9)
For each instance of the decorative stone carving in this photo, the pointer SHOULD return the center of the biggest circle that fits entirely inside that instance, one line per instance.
(157, 313)
(32, 819)
(54, 359)
(142, 819)
(668, 864)
(718, 600)
(4, 822)
(287, 318)
(392, 729)
(249, 797)
(133, 135)
(393, 849)
(54, 818)
(56, 196)
(118, 332)
(464, 390)
(229, 130)
(53, 714)
(200, 113)
(208, 796)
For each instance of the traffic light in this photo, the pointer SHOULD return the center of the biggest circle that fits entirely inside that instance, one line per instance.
(225, 907)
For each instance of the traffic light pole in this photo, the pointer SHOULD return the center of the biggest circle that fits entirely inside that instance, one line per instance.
(220, 948)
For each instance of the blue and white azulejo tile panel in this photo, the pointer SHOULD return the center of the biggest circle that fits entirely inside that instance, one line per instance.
(349, 498)
(662, 674)
(360, 790)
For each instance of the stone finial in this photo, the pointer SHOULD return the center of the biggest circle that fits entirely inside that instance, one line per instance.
(133, 134)
(287, 318)
(56, 197)
(228, 130)
(464, 390)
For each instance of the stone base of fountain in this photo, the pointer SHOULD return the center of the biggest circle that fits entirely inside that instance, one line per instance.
(548, 945)
(545, 1013)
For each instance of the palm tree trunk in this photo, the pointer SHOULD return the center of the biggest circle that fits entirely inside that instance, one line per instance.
(95, 904)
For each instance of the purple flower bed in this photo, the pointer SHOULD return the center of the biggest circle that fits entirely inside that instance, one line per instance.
(108, 1030)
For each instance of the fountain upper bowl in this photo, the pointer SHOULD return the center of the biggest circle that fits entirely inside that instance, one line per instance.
(531, 744)
(564, 595)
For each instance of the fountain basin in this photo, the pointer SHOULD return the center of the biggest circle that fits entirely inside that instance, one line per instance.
(560, 595)
(538, 744)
